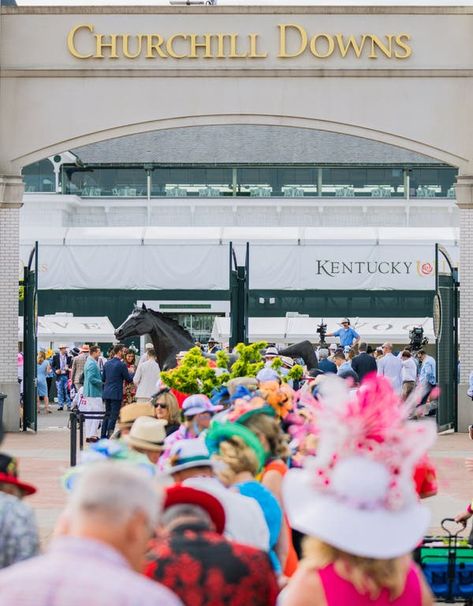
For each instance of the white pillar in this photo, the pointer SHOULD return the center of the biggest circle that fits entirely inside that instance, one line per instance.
(11, 194)
(464, 194)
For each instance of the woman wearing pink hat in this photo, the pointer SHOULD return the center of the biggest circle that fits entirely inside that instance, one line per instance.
(357, 504)
(198, 411)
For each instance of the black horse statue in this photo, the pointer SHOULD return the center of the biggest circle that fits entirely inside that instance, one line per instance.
(169, 338)
(167, 335)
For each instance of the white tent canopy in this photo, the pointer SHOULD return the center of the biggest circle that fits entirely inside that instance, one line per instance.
(70, 329)
(292, 330)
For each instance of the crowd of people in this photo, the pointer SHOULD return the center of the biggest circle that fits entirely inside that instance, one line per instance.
(270, 491)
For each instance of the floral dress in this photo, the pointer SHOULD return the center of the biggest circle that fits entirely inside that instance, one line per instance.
(129, 389)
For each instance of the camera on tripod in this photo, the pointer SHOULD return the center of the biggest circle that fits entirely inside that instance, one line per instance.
(322, 331)
(417, 339)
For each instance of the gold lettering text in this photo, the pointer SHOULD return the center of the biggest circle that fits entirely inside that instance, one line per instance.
(283, 54)
(330, 46)
(170, 46)
(376, 42)
(253, 48)
(100, 44)
(126, 50)
(154, 43)
(71, 45)
(234, 48)
(206, 44)
(405, 47)
(351, 43)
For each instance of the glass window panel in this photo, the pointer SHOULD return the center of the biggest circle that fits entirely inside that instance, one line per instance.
(39, 176)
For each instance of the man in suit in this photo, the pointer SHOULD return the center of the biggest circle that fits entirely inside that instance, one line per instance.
(324, 363)
(115, 373)
(61, 364)
(92, 393)
(363, 363)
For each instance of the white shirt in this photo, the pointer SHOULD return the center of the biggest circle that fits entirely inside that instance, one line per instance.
(146, 376)
(409, 370)
(245, 521)
(390, 366)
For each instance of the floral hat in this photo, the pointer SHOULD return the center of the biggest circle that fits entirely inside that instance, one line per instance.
(106, 450)
(357, 494)
(278, 395)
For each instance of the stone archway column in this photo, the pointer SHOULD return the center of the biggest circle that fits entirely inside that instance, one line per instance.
(11, 195)
(464, 195)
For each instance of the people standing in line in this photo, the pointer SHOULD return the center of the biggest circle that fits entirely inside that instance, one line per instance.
(78, 364)
(363, 363)
(341, 362)
(325, 364)
(99, 546)
(147, 436)
(167, 409)
(42, 370)
(270, 353)
(144, 357)
(190, 464)
(213, 346)
(146, 377)
(391, 366)
(129, 389)
(92, 392)
(427, 373)
(408, 373)
(61, 365)
(115, 375)
(347, 335)
(191, 529)
(19, 538)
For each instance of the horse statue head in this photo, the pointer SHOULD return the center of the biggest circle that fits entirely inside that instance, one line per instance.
(167, 335)
(138, 323)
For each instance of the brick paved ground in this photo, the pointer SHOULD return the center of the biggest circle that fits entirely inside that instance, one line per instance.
(44, 458)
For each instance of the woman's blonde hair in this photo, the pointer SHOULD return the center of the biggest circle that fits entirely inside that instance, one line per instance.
(170, 400)
(238, 457)
(271, 430)
(368, 575)
(41, 357)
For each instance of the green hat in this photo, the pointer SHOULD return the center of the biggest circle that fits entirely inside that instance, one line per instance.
(220, 432)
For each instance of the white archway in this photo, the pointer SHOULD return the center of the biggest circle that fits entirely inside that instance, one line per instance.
(247, 119)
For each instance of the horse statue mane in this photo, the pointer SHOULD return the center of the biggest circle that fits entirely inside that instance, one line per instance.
(167, 335)
(173, 324)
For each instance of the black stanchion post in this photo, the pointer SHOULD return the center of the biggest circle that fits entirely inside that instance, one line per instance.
(81, 431)
(73, 453)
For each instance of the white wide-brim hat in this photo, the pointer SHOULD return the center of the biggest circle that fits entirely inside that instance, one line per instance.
(372, 533)
(186, 454)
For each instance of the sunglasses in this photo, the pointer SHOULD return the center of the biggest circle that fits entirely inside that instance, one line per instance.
(161, 405)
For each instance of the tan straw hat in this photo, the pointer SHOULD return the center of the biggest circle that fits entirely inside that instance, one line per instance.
(131, 412)
(148, 434)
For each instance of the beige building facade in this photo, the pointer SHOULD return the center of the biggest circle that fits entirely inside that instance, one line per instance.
(75, 76)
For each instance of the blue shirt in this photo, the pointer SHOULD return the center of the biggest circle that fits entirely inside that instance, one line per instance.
(347, 336)
(343, 367)
(427, 372)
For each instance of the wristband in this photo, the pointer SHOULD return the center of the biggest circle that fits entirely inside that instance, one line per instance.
(469, 509)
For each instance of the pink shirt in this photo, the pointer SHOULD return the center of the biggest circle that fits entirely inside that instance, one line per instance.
(80, 572)
(339, 592)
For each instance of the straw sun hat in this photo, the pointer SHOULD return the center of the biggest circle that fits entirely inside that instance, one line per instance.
(148, 434)
(358, 493)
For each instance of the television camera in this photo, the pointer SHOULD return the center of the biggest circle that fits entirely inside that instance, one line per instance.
(322, 331)
(417, 339)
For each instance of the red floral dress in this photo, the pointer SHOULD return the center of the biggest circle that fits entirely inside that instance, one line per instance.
(205, 569)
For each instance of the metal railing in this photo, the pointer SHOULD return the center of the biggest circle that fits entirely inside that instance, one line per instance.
(76, 424)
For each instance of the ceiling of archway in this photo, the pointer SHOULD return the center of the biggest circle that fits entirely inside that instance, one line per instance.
(238, 144)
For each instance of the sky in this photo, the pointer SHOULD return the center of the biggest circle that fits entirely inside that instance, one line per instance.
(249, 2)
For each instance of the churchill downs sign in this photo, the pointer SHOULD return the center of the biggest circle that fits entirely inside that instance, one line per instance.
(84, 42)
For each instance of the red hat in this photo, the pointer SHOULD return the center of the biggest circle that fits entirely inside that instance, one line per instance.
(9, 474)
(185, 495)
